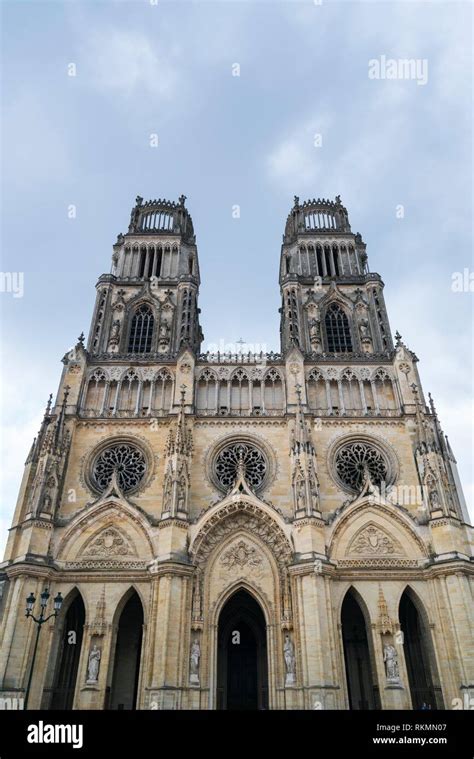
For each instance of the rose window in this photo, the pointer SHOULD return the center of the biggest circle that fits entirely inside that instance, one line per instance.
(126, 460)
(240, 457)
(352, 461)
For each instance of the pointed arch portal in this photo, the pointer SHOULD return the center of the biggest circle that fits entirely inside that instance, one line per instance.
(128, 647)
(242, 670)
(418, 652)
(361, 682)
(69, 652)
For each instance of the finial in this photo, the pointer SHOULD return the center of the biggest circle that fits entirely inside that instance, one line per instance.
(80, 339)
(182, 199)
(138, 200)
(240, 342)
(398, 339)
(432, 406)
(338, 199)
(296, 201)
(48, 405)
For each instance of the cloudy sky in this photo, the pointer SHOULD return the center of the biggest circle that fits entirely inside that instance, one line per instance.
(302, 117)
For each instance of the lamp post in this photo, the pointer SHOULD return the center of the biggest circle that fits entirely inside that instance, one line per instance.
(30, 603)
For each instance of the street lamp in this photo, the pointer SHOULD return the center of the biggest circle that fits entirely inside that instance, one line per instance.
(30, 603)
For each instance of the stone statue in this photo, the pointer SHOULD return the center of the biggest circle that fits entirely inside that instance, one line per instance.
(314, 487)
(93, 665)
(300, 495)
(290, 661)
(181, 494)
(194, 662)
(167, 492)
(164, 330)
(364, 329)
(390, 658)
(115, 332)
(434, 499)
(314, 332)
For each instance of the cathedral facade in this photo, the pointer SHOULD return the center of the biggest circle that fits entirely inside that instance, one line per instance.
(240, 531)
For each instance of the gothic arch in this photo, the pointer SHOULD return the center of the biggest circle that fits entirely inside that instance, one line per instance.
(419, 650)
(124, 598)
(350, 588)
(91, 522)
(127, 651)
(257, 594)
(334, 295)
(362, 687)
(63, 662)
(245, 512)
(390, 520)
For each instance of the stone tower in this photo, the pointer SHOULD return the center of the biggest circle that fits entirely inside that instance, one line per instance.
(155, 271)
(308, 499)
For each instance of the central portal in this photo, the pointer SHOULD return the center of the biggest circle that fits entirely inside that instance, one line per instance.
(242, 673)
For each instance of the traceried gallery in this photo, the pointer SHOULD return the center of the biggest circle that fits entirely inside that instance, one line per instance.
(240, 531)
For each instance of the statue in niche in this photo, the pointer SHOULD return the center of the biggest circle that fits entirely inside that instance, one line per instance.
(194, 662)
(364, 330)
(390, 658)
(300, 495)
(167, 492)
(115, 333)
(314, 488)
(93, 665)
(164, 335)
(164, 330)
(314, 332)
(182, 493)
(290, 660)
(434, 499)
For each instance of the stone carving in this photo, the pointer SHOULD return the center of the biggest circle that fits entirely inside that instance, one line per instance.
(315, 333)
(290, 660)
(242, 515)
(372, 541)
(119, 303)
(164, 334)
(300, 495)
(110, 542)
(434, 500)
(404, 367)
(126, 460)
(390, 658)
(93, 665)
(115, 373)
(241, 554)
(353, 459)
(194, 662)
(314, 489)
(248, 457)
(182, 488)
(115, 333)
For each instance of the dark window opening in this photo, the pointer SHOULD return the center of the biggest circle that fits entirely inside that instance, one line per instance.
(337, 330)
(141, 331)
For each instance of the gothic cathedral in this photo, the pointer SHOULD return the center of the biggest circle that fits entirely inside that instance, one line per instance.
(240, 531)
